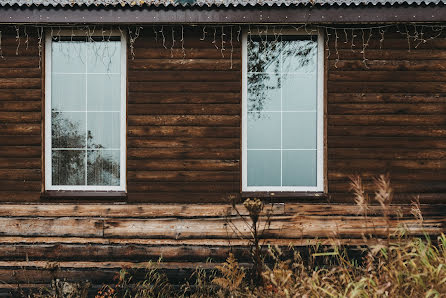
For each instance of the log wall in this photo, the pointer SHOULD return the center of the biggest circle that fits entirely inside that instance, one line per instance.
(386, 112)
(21, 124)
(183, 146)
(184, 120)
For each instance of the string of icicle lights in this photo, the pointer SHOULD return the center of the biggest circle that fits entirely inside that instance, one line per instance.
(224, 36)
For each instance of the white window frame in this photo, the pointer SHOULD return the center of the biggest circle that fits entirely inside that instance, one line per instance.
(123, 117)
(320, 118)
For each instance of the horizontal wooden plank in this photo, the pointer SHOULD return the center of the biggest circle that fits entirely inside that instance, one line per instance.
(389, 87)
(184, 183)
(62, 226)
(21, 175)
(387, 153)
(191, 40)
(222, 143)
(187, 53)
(19, 163)
(179, 153)
(20, 72)
(20, 106)
(120, 210)
(390, 54)
(386, 165)
(20, 151)
(388, 65)
(183, 109)
(181, 197)
(193, 165)
(386, 98)
(20, 185)
(410, 186)
(185, 210)
(19, 62)
(20, 117)
(388, 108)
(397, 120)
(172, 97)
(181, 131)
(21, 50)
(391, 41)
(398, 198)
(412, 175)
(20, 129)
(385, 142)
(118, 252)
(184, 120)
(387, 131)
(280, 226)
(19, 83)
(184, 86)
(192, 176)
(19, 196)
(183, 76)
(387, 76)
(14, 140)
(184, 64)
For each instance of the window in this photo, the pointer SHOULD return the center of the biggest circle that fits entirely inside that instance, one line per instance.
(85, 112)
(282, 140)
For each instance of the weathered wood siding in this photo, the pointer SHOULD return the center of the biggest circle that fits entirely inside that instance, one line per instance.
(386, 112)
(183, 146)
(39, 242)
(184, 119)
(20, 118)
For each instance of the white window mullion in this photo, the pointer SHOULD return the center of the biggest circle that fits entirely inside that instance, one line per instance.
(86, 113)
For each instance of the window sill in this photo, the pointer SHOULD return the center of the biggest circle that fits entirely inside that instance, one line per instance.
(84, 195)
(284, 194)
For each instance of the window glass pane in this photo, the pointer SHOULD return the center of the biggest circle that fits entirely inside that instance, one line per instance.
(104, 57)
(68, 129)
(104, 92)
(103, 167)
(68, 56)
(68, 92)
(299, 92)
(299, 130)
(263, 92)
(263, 130)
(103, 130)
(282, 111)
(68, 167)
(86, 112)
(299, 168)
(263, 168)
(299, 55)
(263, 54)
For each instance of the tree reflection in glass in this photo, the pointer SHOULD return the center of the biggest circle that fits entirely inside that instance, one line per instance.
(68, 165)
(281, 110)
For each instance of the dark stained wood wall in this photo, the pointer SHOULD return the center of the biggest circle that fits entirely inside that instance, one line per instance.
(385, 115)
(184, 118)
(20, 118)
(388, 114)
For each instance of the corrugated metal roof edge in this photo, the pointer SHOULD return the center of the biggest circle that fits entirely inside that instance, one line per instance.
(187, 4)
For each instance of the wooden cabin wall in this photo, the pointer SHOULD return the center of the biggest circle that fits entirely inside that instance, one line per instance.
(184, 118)
(183, 147)
(21, 117)
(386, 113)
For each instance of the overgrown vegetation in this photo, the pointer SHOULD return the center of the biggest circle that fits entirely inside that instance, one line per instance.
(397, 266)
